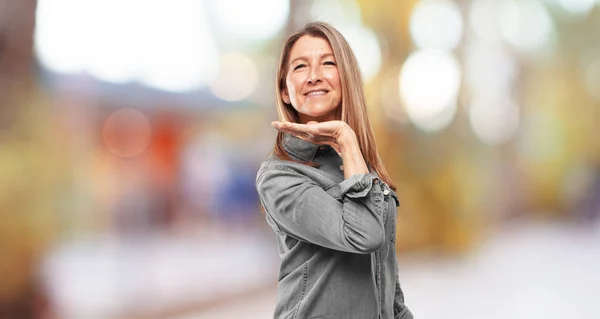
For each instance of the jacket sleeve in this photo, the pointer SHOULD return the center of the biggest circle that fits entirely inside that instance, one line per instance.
(302, 209)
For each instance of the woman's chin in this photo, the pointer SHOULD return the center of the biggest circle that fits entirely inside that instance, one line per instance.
(319, 115)
(304, 118)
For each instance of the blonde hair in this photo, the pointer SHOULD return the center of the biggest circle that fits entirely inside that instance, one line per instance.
(353, 110)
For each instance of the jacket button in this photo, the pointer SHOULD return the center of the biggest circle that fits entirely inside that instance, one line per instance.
(386, 192)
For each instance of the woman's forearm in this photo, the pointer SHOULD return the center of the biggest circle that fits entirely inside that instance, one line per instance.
(353, 160)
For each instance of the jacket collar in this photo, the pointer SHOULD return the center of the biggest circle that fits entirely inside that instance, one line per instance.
(301, 149)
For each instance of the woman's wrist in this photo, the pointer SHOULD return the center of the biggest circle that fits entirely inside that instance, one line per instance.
(352, 158)
(347, 139)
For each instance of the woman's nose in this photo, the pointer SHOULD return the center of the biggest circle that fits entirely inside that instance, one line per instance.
(315, 75)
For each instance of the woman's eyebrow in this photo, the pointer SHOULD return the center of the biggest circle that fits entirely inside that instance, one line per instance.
(305, 58)
(298, 58)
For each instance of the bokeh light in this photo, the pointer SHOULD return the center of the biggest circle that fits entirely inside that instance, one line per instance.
(366, 48)
(250, 21)
(177, 54)
(59, 45)
(337, 12)
(577, 7)
(389, 97)
(526, 24)
(429, 85)
(489, 68)
(484, 21)
(237, 79)
(126, 132)
(493, 120)
(436, 24)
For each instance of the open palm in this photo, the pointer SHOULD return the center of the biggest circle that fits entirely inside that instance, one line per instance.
(326, 132)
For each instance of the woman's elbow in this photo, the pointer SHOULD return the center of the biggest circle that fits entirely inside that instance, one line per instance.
(374, 244)
(368, 242)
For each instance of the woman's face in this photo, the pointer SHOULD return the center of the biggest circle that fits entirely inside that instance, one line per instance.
(312, 82)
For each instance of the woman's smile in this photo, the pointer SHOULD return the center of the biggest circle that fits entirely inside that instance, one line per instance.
(316, 93)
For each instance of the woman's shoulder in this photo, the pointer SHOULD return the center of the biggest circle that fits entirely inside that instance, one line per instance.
(267, 170)
(274, 163)
(284, 172)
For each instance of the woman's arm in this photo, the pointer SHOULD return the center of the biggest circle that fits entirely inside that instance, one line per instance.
(354, 163)
(301, 208)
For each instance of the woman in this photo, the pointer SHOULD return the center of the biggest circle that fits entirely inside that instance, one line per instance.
(324, 190)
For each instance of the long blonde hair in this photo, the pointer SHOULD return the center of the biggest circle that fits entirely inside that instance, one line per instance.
(353, 110)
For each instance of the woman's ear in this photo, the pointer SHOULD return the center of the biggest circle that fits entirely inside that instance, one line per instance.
(285, 95)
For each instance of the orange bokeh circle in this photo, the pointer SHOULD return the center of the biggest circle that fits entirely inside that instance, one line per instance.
(126, 132)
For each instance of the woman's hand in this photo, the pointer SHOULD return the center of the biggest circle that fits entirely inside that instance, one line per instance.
(337, 134)
(328, 132)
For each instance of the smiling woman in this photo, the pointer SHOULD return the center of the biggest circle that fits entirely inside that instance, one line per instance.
(325, 191)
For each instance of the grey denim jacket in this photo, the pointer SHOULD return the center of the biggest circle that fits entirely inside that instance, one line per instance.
(335, 237)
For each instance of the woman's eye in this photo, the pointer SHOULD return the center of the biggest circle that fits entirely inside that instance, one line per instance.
(329, 63)
(298, 66)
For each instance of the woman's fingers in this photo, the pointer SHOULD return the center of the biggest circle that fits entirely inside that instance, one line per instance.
(293, 129)
(312, 131)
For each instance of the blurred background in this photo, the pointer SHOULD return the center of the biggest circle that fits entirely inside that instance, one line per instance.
(131, 132)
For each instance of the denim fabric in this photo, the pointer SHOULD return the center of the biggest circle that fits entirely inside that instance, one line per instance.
(335, 237)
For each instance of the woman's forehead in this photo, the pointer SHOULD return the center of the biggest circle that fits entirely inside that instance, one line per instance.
(308, 46)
